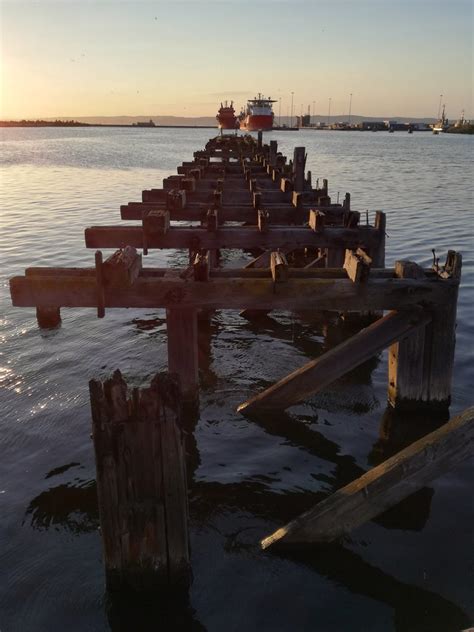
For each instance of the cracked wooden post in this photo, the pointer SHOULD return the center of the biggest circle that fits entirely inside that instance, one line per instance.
(421, 366)
(181, 325)
(141, 484)
(383, 486)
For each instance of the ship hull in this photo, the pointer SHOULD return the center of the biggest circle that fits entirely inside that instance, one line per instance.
(228, 124)
(257, 122)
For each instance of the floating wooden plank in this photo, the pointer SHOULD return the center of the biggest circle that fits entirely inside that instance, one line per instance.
(141, 484)
(232, 237)
(315, 375)
(383, 486)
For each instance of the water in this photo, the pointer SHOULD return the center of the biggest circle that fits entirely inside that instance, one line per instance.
(411, 570)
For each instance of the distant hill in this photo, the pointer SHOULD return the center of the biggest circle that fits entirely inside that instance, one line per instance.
(211, 120)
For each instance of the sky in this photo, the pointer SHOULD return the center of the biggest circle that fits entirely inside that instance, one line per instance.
(100, 58)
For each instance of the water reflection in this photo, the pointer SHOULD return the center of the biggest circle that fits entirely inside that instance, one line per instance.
(170, 613)
(415, 609)
(66, 506)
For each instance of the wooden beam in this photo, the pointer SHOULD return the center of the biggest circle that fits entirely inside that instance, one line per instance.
(334, 294)
(283, 213)
(122, 268)
(232, 237)
(315, 375)
(383, 486)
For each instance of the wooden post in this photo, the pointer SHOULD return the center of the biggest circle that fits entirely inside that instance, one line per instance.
(183, 350)
(48, 317)
(141, 484)
(378, 252)
(420, 367)
(315, 375)
(383, 486)
(259, 140)
(299, 162)
(273, 153)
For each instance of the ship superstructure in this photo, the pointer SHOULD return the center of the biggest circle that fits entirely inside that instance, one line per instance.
(226, 118)
(258, 114)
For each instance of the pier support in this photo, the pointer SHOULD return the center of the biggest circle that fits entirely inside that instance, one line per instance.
(141, 484)
(183, 350)
(48, 317)
(421, 365)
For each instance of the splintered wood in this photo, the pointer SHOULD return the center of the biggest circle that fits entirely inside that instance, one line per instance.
(141, 483)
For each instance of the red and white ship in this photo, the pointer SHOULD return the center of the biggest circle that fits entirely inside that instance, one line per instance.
(258, 115)
(226, 118)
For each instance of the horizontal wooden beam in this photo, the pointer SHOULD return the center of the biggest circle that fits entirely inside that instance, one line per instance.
(80, 290)
(315, 375)
(232, 237)
(279, 213)
(383, 486)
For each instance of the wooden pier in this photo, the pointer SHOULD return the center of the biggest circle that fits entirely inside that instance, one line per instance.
(309, 254)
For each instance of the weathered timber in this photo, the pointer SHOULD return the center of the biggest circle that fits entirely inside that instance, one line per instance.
(317, 220)
(201, 266)
(48, 317)
(122, 268)
(406, 360)
(263, 220)
(141, 484)
(280, 213)
(420, 368)
(279, 267)
(377, 252)
(334, 238)
(315, 375)
(99, 277)
(299, 164)
(325, 293)
(357, 265)
(383, 486)
(181, 326)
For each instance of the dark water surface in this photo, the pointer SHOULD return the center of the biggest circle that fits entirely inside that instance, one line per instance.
(412, 569)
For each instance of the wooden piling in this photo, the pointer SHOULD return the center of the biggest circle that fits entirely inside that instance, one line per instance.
(48, 317)
(299, 163)
(382, 487)
(141, 484)
(420, 367)
(183, 350)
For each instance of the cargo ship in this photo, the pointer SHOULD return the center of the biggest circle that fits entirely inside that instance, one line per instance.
(258, 115)
(226, 118)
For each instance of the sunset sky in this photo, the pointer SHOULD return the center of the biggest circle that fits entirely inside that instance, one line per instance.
(94, 58)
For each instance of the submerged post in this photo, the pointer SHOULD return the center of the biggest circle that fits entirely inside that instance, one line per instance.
(141, 484)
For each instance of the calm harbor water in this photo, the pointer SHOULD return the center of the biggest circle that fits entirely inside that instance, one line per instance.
(412, 569)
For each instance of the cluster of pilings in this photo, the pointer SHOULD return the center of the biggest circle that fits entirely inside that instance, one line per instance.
(309, 253)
